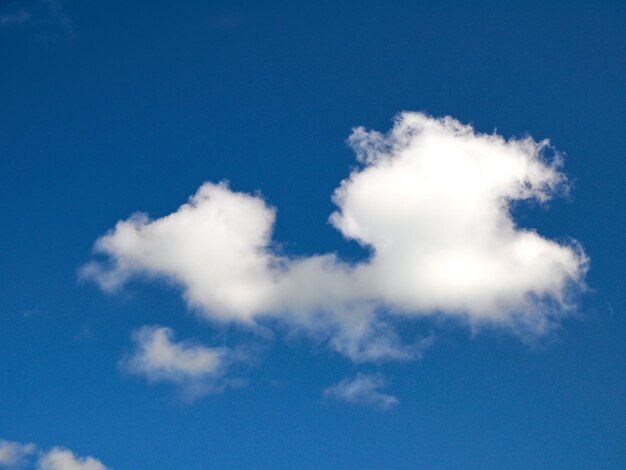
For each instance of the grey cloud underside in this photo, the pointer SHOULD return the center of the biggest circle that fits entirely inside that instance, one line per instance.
(431, 201)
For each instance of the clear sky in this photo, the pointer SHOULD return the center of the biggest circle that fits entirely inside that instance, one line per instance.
(463, 308)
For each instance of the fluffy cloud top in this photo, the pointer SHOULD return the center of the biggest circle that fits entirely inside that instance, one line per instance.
(63, 459)
(431, 200)
(362, 390)
(16, 455)
(13, 454)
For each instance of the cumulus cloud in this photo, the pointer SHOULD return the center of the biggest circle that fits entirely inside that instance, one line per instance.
(431, 201)
(16, 455)
(13, 454)
(63, 459)
(362, 390)
(197, 369)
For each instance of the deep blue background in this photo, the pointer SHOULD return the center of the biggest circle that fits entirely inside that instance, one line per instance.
(138, 103)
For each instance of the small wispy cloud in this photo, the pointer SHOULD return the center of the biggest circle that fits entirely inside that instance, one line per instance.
(223, 22)
(16, 18)
(32, 312)
(46, 19)
(196, 369)
(364, 389)
(14, 454)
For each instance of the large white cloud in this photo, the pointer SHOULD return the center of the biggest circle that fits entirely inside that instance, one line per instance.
(431, 200)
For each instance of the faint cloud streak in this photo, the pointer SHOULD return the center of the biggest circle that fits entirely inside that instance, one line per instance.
(45, 19)
(364, 390)
(17, 18)
(223, 22)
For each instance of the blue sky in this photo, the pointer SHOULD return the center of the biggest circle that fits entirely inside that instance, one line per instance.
(463, 308)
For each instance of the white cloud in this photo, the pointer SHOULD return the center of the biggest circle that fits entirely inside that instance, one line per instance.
(433, 203)
(13, 454)
(63, 459)
(16, 455)
(362, 390)
(195, 368)
(431, 200)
